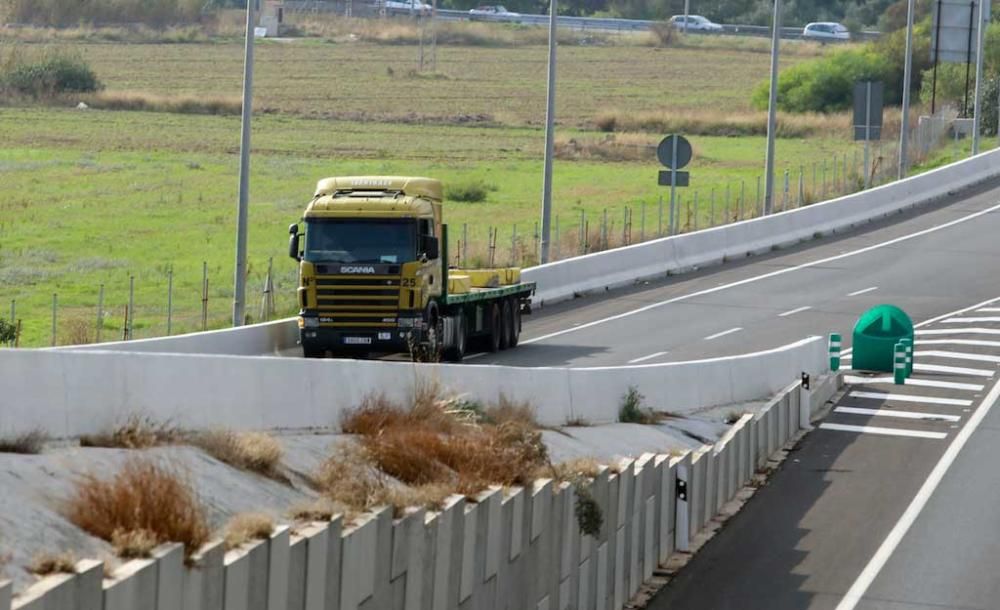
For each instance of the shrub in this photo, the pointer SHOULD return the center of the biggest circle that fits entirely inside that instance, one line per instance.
(474, 191)
(45, 564)
(8, 332)
(663, 33)
(254, 451)
(142, 497)
(245, 527)
(50, 74)
(137, 432)
(133, 544)
(632, 411)
(31, 442)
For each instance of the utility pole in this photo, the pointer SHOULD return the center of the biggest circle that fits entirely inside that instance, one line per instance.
(550, 111)
(772, 109)
(978, 103)
(240, 280)
(687, 11)
(904, 128)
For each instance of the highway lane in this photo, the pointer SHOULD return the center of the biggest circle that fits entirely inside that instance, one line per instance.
(891, 503)
(933, 261)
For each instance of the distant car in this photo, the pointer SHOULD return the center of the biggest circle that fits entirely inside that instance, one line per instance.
(825, 30)
(494, 11)
(694, 23)
(407, 7)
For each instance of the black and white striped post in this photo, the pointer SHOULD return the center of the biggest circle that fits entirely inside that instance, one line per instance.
(899, 364)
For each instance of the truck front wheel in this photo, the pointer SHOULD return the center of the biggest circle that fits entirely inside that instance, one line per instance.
(456, 352)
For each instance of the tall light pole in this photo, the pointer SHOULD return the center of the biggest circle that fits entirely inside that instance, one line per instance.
(687, 11)
(240, 280)
(904, 128)
(772, 111)
(978, 103)
(550, 116)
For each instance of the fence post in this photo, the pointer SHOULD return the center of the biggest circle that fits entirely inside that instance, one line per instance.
(659, 226)
(625, 226)
(131, 305)
(802, 186)
(711, 208)
(836, 185)
(537, 238)
(743, 199)
(170, 300)
(696, 210)
(17, 334)
(784, 195)
(844, 173)
(814, 179)
(55, 305)
(823, 187)
(642, 222)
(555, 238)
(465, 244)
(604, 231)
(204, 296)
(582, 245)
(100, 313)
(757, 203)
(513, 244)
(726, 217)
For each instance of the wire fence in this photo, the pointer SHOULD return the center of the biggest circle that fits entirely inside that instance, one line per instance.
(188, 300)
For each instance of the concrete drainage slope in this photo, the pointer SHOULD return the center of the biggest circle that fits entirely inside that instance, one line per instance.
(517, 548)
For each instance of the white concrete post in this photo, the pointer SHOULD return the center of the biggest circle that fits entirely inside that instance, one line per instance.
(681, 523)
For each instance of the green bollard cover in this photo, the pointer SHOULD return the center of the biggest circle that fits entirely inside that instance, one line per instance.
(875, 336)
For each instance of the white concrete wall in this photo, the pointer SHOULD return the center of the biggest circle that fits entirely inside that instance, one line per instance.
(253, 340)
(614, 268)
(70, 393)
(522, 550)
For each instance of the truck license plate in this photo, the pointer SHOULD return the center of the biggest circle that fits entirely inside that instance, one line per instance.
(357, 340)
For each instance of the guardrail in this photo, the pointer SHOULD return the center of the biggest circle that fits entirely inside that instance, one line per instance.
(573, 277)
(69, 393)
(606, 24)
(522, 547)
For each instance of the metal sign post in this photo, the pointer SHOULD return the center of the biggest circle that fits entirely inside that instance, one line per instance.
(904, 129)
(674, 152)
(867, 119)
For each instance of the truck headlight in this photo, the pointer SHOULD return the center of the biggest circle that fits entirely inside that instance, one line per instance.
(406, 322)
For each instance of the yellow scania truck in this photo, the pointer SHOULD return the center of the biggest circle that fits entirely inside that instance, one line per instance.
(374, 277)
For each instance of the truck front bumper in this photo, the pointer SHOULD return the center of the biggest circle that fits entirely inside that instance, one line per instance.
(358, 340)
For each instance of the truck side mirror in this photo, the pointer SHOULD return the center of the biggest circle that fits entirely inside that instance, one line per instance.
(431, 248)
(293, 242)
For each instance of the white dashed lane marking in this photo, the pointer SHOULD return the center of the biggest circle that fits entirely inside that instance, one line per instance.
(926, 400)
(897, 414)
(884, 431)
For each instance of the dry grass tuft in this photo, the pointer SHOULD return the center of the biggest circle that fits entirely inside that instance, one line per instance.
(137, 432)
(133, 544)
(254, 451)
(46, 564)
(611, 147)
(77, 331)
(572, 470)
(27, 443)
(711, 122)
(142, 497)
(151, 102)
(434, 441)
(246, 527)
(320, 509)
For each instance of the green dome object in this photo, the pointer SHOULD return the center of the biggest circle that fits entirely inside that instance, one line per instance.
(875, 336)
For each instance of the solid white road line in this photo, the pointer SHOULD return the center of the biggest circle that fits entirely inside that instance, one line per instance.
(724, 333)
(881, 557)
(973, 342)
(958, 355)
(649, 357)
(770, 274)
(884, 431)
(958, 331)
(989, 310)
(926, 383)
(794, 311)
(897, 414)
(975, 320)
(954, 370)
(927, 400)
(863, 291)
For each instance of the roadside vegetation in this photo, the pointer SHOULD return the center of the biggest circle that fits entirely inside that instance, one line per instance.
(28, 443)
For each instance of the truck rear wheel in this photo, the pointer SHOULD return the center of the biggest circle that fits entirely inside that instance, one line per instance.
(456, 352)
(515, 332)
(494, 338)
(508, 325)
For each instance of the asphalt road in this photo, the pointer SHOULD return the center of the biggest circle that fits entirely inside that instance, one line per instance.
(891, 504)
(929, 263)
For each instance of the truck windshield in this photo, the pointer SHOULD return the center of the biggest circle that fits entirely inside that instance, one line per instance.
(361, 241)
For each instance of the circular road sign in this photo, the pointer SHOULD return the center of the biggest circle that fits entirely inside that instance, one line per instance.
(665, 152)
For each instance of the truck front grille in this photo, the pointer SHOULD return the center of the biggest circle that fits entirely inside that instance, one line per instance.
(349, 300)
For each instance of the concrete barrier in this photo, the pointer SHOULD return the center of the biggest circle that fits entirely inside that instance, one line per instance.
(601, 271)
(71, 393)
(252, 340)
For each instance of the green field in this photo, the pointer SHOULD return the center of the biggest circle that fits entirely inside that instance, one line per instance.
(93, 197)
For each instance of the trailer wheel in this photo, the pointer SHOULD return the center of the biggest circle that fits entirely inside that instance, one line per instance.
(456, 352)
(515, 332)
(494, 338)
(508, 325)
